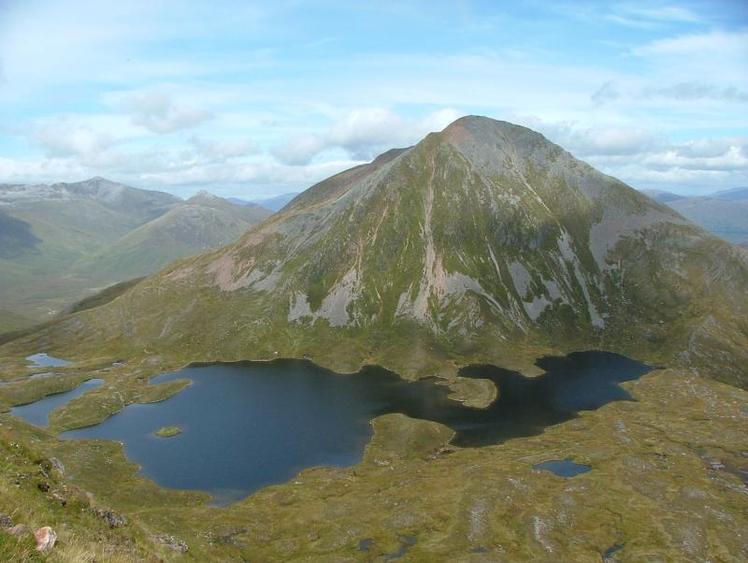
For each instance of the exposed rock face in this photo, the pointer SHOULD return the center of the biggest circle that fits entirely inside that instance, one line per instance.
(484, 232)
(45, 538)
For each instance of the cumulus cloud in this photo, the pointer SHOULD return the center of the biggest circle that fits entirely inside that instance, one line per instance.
(363, 133)
(645, 159)
(612, 141)
(734, 156)
(300, 149)
(62, 138)
(598, 141)
(717, 58)
(160, 113)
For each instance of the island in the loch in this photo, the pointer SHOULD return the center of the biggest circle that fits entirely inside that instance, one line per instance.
(168, 431)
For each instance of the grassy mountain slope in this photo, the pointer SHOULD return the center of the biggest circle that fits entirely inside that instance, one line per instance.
(482, 243)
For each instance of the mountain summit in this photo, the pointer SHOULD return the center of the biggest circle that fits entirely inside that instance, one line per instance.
(484, 242)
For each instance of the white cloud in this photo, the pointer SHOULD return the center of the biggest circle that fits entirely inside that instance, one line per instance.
(645, 159)
(612, 141)
(718, 58)
(363, 133)
(160, 113)
(300, 149)
(64, 137)
(608, 141)
(734, 157)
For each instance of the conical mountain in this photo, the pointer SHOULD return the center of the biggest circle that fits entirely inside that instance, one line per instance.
(483, 243)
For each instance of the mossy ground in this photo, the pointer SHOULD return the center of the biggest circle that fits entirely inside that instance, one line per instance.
(664, 484)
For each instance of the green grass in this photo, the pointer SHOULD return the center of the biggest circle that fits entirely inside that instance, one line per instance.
(104, 296)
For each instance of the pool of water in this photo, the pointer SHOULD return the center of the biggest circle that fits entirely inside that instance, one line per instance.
(562, 467)
(38, 413)
(44, 360)
(248, 425)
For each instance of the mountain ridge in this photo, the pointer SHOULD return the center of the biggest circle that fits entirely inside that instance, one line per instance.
(97, 232)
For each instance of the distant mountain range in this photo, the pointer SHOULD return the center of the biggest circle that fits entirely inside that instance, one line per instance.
(724, 213)
(61, 242)
(482, 244)
(275, 203)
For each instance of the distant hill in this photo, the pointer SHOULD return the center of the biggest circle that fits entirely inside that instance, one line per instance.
(54, 239)
(201, 223)
(273, 203)
(734, 194)
(663, 196)
(724, 213)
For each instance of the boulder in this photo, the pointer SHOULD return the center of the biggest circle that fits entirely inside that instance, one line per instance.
(17, 530)
(57, 466)
(45, 538)
(5, 521)
(113, 519)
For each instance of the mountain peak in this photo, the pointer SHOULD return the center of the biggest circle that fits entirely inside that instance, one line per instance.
(498, 147)
(483, 128)
(204, 196)
(100, 180)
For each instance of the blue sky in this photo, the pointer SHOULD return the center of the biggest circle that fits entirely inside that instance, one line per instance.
(255, 99)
